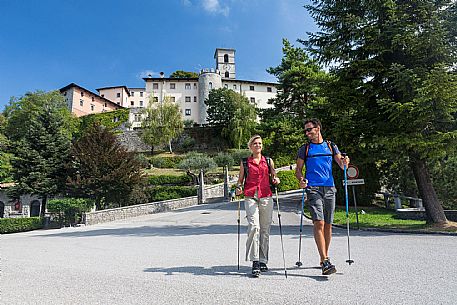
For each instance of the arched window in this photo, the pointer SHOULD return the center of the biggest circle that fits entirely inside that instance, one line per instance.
(226, 58)
(2, 209)
(35, 208)
(227, 74)
(210, 85)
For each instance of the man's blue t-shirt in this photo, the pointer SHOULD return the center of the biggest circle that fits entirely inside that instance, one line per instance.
(318, 163)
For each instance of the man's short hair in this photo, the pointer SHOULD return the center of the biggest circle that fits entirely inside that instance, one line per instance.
(313, 121)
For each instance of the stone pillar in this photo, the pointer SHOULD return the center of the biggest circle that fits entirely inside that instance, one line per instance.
(226, 184)
(201, 188)
(397, 201)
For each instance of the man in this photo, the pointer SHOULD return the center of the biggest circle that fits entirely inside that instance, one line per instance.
(317, 155)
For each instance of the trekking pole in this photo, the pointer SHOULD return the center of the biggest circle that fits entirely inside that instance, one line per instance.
(280, 232)
(299, 263)
(238, 220)
(349, 260)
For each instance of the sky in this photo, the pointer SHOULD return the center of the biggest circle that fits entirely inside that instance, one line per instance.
(48, 44)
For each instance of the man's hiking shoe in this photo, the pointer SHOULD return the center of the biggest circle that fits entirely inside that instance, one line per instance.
(263, 267)
(327, 267)
(255, 268)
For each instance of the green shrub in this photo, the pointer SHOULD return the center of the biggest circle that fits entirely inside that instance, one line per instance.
(196, 161)
(188, 143)
(288, 181)
(13, 225)
(282, 160)
(165, 162)
(159, 193)
(71, 209)
(238, 154)
(169, 179)
(144, 161)
(223, 159)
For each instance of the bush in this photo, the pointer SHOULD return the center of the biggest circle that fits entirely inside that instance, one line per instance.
(169, 179)
(188, 143)
(223, 159)
(196, 161)
(238, 154)
(281, 160)
(288, 181)
(71, 208)
(165, 162)
(13, 225)
(159, 193)
(144, 161)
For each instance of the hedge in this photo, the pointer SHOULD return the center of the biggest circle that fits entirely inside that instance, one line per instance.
(13, 225)
(288, 181)
(165, 162)
(159, 193)
(72, 208)
(169, 179)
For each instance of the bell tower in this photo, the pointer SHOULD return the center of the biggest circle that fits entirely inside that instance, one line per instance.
(225, 62)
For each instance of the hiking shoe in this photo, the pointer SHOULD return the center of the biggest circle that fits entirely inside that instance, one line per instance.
(255, 268)
(327, 267)
(263, 267)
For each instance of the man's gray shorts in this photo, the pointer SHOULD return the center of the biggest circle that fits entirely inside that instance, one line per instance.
(321, 202)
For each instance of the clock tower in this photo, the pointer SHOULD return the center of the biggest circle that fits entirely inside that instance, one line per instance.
(225, 62)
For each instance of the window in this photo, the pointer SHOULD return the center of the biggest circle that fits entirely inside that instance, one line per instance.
(210, 85)
(187, 99)
(187, 111)
(268, 89)
(251, 88)
(172, 99)
(81, 103)
(195, 86)
(93, 99)
(132, 103)
(141, 93)
(118, 95)
(82, 93)
(234, 87)
(65, 93)
(137, 118)
(92, 107)
(155, 86)
(187, 86)
(103, 95)
(141, 103)
(227, 74)
(172, 86)
(106, 104)
(155, 99)
(132, 93)
(195, 99)
(253, 100)
(226, 86)
(226, 58)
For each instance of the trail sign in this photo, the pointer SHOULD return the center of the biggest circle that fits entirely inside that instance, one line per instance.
(352, 172)
(355, 181)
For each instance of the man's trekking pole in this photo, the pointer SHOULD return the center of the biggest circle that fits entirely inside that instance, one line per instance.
(280, 231)
(349, 260)
(299, 263)
(238, 220)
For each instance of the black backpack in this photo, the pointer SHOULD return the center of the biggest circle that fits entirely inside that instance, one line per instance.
(246, 169)
(331, 146)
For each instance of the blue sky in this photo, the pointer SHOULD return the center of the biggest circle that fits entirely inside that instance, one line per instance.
(47, 44)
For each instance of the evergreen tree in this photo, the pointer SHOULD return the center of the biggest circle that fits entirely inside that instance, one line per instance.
(394, 61)
(183, 74)
(39, 129)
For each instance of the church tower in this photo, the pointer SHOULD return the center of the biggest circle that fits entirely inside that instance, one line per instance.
(225, 62)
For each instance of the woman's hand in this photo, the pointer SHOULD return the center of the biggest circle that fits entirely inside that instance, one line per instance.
(276, 181)
(238, 190)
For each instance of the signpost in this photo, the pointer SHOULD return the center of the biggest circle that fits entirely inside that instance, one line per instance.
(353, 174)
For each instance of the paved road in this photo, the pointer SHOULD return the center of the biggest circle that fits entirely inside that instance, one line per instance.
(189, 257)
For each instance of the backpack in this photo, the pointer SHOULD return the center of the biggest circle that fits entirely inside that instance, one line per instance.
(331, 146)
(246, 169)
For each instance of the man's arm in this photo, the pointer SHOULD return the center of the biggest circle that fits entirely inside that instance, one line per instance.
(299, 173)
(340, 160)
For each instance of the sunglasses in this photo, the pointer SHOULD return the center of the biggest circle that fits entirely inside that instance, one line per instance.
(309, 129)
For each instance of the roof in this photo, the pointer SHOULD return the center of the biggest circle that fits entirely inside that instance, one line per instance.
(69, 86)
(223, 49)
(158, 79)
(114, 87)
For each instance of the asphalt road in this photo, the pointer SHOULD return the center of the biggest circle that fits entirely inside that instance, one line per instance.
(189, 256)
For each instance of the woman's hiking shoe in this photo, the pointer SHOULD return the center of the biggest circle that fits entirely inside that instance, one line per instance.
(255, 268)
(263, 267)
(327, 267)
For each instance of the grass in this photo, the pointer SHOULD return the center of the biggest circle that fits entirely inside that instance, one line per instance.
(375, 217)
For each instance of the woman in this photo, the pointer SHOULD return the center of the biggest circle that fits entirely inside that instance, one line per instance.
(258, 203)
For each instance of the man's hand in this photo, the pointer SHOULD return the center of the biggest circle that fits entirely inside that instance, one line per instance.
(303, 183)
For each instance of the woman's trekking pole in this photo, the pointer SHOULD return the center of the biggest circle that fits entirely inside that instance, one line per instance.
(280, 231)
(299, 263)
(238, 220)
(349, 260)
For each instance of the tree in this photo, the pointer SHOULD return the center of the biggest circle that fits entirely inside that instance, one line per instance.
(233, 113)
(183, 74)
(162, 123)
(300, 79)
(39, 128)
(5, 156)
(396, 60)
(194, 162)
(102, 169)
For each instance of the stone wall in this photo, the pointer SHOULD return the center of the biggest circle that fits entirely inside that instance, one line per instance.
(91, 218)
(419, 214)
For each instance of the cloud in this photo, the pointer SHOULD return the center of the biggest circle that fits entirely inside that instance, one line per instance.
(186, 2)
(215, 7)
(147, 73)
